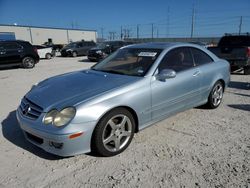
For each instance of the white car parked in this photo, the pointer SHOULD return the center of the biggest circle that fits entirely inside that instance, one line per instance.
(44, 51)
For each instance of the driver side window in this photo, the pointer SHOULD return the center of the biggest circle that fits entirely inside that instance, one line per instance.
(178, 59)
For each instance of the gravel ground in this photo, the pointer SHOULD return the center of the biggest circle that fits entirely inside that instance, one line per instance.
(196, 148)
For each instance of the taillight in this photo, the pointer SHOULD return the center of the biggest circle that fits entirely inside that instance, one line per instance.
(35, 50)
(248, 52)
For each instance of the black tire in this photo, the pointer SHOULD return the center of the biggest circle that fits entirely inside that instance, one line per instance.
(216, 95)
(28, 62)
(108, 141)
(247, 70)
(48, 56)
(74, 54)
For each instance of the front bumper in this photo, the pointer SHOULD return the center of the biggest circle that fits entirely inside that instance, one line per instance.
(95, 57)
(58, 144)
(65, 53)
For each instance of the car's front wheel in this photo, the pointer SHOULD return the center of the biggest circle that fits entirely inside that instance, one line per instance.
(28, 62)
(74, 54)
(113, 133)
(216, 95)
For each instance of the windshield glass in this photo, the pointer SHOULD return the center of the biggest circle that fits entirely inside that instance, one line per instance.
(129, 61)
(70, 45)
(102, 45)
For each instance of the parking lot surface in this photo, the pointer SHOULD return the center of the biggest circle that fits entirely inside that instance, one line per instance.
(196, 148)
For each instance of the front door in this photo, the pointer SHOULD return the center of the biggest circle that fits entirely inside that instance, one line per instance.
(179, 93)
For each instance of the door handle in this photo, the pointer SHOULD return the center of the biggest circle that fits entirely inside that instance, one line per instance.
(196, 73)
(2, 53)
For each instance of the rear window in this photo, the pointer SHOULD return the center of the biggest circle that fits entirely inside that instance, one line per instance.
(235, 41)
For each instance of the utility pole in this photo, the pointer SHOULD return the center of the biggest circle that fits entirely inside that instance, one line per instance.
(102, 32)
(240, 25)
(167, 32)
(137, 31)
(192, 26)
(128, 32)
(121, 33)
(152, 32)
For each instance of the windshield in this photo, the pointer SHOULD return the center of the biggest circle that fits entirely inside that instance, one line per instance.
(70, 45)
(101, 45)
(129, 61)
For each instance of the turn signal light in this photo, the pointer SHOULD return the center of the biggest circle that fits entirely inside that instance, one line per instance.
(75, 135)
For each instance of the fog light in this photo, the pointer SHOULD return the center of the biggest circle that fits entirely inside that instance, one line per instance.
(56, 145)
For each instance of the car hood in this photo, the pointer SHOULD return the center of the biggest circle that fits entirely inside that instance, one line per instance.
(72, 88)
(67, 48)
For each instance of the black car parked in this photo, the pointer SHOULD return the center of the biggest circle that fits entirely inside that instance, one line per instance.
(18, 53)
(77, 48)
(235, 48)
(102, 50)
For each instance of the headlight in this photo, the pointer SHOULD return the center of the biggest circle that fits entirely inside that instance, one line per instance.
(60, 118)
(49, 117)
(68, 50)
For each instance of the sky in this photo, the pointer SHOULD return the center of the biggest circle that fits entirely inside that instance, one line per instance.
(136, 18)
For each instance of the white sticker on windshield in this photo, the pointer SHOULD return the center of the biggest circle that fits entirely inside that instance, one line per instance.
(147, 54)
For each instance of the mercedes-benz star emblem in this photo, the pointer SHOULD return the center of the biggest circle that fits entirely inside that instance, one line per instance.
(26, 109)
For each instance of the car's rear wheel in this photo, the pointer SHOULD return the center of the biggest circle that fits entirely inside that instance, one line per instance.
(48, 56)
(28, 62)
(216, 95)
(113, 133)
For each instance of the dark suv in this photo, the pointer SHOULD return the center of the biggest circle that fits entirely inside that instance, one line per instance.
(74, 49)
(102, 50)
(16, 52)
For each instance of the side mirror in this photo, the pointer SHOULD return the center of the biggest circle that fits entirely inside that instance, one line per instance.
(166, 74)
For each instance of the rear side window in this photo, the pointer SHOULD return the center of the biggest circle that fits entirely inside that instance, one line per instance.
(200, 57)
(79, 45)
(178, 59)
(11, 46)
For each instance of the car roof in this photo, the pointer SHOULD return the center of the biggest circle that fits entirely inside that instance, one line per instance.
(13, 41)
(163, 45)
(153, 45)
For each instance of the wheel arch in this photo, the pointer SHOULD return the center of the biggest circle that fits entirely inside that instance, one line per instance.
(223, 83)
(131, 110)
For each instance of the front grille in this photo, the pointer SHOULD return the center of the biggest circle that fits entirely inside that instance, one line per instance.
(30, 109)
(91, 52)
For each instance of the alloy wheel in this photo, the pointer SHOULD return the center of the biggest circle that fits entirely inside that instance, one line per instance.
(117, 133)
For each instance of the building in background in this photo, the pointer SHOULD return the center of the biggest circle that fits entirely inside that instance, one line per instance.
(40, 35)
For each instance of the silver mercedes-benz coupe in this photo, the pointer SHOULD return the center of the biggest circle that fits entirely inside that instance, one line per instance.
(100, 109)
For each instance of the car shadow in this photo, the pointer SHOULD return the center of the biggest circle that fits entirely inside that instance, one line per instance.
(239, 85)
(245, 107)
(86, 61)
(10, 68)
(240, 94)
(13, 133)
